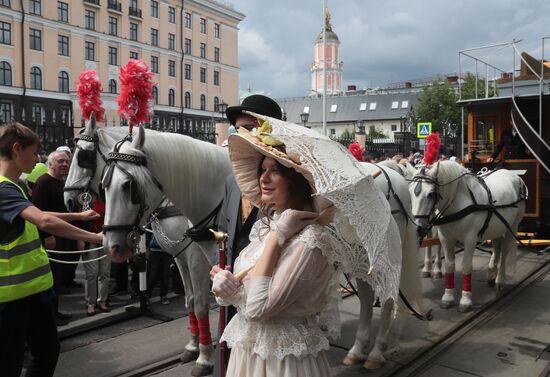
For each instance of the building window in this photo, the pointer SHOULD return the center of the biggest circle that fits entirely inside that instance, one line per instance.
(203, 50)
(172, 15)
(155, 64)
(113, 25)
(363, 106)
(171, 97)
(216, 103)
(35, 7)
(89, 19)
(5, 74)
(171, 41)
(156, 94)
(36, 78)
(216, 30)
(172, 68)
(372, 106)
(5, 112)
(333, 131)
(62, 11)
(113, 56)
(203, 75)
(5, 3)
(188, 71)
(89, 51)
(217, 54)
(63, 82)
(5, 33)
(154, 37)
(112, 86)
(134, 55)
(133, 31)
(35, 37)
(187, 100)
(394, 127)
(333, 108)
(405, 104)
(188, 20)
(187, 46)
(216, 78)
(63, 45)
(203, 102)
(154, 8)
(203, 25)
(394, 105)
(36, 113)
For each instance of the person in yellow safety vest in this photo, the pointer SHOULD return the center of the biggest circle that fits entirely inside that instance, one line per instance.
(26, 295)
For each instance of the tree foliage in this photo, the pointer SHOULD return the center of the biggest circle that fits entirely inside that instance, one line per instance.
(437, 104)
(468, 87)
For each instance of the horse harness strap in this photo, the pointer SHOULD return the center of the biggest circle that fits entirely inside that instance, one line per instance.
(397, 199)
(476, 207)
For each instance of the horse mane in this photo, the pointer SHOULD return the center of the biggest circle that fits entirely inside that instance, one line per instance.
(446, 171)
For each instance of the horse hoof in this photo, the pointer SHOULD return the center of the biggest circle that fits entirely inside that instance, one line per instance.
(202, 370)
(351, 359)
(447, 304)
(189, 356)
(437, 275)
(373, 364)
(491, 282)
(465, 308)
(426, 274)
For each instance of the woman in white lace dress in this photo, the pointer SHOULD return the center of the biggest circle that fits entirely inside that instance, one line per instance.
(277, 331)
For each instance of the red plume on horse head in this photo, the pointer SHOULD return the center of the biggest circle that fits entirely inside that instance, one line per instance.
(136, 90)
(432, 148)
(356, 150)
(88, 90)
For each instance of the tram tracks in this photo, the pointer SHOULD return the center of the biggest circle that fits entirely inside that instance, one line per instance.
(420, 363)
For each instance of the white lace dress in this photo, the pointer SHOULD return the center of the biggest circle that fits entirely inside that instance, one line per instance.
(277, 329)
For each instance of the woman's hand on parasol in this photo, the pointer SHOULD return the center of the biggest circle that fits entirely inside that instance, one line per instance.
(292, 222)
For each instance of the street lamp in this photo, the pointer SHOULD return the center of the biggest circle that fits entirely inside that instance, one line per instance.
(222, 107)
(304, 116)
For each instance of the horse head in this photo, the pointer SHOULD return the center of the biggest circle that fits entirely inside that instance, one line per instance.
(131, 193)
(424, 190)
(79, 185)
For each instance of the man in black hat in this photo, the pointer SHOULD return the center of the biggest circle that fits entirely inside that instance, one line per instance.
(237, 215)
(515, 149)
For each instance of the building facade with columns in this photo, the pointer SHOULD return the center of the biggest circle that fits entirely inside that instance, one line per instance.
(192, 51)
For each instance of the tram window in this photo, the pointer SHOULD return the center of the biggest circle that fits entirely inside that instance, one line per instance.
(485, 136)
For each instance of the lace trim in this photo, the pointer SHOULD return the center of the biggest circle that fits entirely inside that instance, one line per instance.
(275, 338)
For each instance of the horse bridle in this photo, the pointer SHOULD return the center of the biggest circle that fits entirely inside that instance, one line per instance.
(134, 229)
(85, 197)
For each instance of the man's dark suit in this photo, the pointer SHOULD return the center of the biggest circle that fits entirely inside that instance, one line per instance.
(230, 221)
(515, 149)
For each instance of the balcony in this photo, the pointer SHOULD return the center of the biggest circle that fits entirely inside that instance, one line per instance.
(92, 2)
(135, 12)
(114, 6)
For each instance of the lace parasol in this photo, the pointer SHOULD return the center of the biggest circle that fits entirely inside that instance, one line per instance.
(366, 239)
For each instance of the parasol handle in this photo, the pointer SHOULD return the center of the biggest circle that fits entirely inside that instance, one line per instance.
(376, 173)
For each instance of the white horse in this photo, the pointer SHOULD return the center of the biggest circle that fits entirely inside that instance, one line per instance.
(83, 182)
(179, 157)
(469, 209)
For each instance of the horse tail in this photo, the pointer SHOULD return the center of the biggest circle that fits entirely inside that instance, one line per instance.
(410, 284)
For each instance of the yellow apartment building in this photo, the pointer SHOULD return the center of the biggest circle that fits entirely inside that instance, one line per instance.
(191, 46)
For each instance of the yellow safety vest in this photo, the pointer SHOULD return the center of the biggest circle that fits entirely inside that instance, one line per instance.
(24, 265)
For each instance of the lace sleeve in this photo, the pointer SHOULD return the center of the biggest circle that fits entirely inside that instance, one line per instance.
(235, 300)
(302, 274)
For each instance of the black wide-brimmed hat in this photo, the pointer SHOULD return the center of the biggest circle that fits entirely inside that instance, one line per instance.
(258, 104)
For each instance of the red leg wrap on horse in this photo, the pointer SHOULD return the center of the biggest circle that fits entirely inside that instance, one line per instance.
(467, 283)
(204, 331)
(449, 280)
(193, 324)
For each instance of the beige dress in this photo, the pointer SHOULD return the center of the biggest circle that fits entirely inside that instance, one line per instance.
(282, 321)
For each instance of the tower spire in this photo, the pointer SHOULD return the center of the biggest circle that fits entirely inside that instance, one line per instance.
(328, 26)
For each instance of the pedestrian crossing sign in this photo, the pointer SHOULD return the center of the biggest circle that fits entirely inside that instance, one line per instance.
(423, 130)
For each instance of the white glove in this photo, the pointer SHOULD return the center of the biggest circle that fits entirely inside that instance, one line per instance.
(292, 222)
(225, 284)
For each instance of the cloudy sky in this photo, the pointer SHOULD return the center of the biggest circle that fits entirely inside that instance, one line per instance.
(382, 41)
